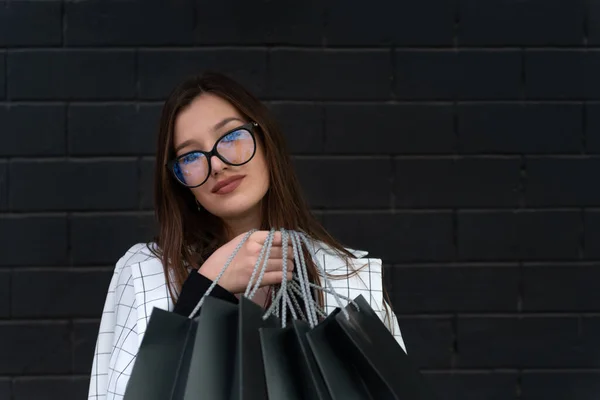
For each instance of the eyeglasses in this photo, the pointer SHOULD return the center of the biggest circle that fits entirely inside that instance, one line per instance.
(235, 148)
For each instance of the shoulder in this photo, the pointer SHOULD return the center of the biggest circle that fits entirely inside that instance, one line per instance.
(335, 263)
(138, 253)
(140, 260)
(352, 275)
(146, 273)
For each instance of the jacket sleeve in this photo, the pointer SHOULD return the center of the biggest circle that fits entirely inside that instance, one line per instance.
(364, 278)
(133, 292)
(118, 340)
(194, 287)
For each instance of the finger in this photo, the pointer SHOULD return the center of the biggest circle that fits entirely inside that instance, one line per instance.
(260, 237)
(274, 278)
(277, 252)
(277, 265)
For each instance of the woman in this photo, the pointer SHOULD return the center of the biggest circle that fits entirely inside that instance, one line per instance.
(222, 169)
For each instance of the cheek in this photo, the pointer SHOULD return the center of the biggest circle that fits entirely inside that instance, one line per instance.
(262, 169)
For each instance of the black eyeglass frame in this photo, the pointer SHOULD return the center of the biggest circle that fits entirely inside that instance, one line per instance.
(250, 126)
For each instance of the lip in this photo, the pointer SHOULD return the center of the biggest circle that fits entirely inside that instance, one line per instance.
(227, 185)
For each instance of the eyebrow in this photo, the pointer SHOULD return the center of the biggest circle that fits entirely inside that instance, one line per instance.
(215, 128)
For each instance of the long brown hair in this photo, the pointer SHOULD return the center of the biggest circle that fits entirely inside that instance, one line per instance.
(188, 236)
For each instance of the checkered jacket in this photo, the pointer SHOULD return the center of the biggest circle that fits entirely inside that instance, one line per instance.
(138, 285)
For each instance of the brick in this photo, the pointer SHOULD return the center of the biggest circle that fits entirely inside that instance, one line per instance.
(434, 289)
(337, 182)
(74, 185)
(5, 389)
(428, 340)
(113, 129)
(467, 74)
(476, 385)
(511, 342)
(129, 23)
(85, 335)
(317, 74)
(57, 74)
(562, 287)
(3, 185)
(593, 23)
(545, 385)
(528, 235)
(562, 74)
(302, 126)
(5, 289)
(160, 70)
(388, 22)
(147, 171)
(66, 293)
(592, 132)
(2, 75)
(35, 348)
(50, 388)
(500, 22)
(592, 234)
(30, 23)
(465, 182)
(32, 130)
(259, 23)
(396, 237)
(587, 346)
(32, 240)
(562, 182)
(516, 128)
(399, 129)
(103, 239)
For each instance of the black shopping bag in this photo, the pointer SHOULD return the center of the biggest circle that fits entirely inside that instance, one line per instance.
(290, 368)
(227, 361)
(162, 362)
(342, 379)
(249, 376)
(212, 362)
(301, 328)
(386, 369)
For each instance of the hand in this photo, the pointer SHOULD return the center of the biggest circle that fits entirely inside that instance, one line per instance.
(238, 274)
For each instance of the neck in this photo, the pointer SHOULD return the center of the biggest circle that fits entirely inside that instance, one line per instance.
(243, 223)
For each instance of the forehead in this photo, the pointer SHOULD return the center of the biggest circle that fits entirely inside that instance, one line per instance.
(197, 121)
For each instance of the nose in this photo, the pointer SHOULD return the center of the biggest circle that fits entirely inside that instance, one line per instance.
(217, 165)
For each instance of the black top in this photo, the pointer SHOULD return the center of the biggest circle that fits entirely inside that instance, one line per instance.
(194, 288)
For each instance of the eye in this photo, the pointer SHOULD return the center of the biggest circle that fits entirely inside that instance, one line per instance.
(190, 158)
(235, 135)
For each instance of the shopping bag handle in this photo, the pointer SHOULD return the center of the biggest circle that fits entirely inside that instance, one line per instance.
(301, 285)
(286, 295)
(216, 281)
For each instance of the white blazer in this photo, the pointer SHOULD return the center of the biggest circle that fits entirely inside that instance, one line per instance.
(138, 285)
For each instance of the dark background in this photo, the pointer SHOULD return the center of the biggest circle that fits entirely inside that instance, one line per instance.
(457, 140)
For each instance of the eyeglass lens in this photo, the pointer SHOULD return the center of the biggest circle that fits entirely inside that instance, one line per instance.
(236, 148)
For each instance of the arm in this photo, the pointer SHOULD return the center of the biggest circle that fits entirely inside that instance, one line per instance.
(117, 341)
(194, 287)
(138, 285)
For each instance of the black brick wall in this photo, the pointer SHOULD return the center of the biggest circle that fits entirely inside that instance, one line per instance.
(459, 140)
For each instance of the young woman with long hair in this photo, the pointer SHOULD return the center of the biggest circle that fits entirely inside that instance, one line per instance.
(222, 169)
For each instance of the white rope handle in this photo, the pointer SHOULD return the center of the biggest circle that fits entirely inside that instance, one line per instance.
(229, 260)
(266, 248)
(286, 295)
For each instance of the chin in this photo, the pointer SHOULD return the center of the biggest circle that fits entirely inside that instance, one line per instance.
(233, 207)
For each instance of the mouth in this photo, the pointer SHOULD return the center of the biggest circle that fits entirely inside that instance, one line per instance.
(228, 185)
